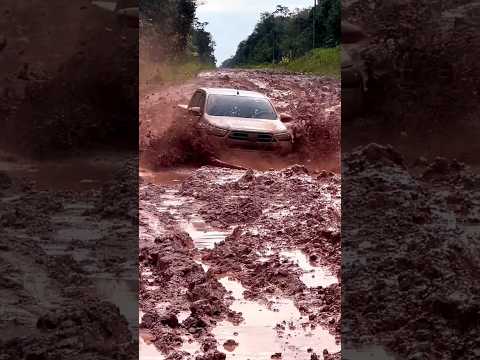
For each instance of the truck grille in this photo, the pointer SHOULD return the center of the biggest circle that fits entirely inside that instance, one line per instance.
(250, 136)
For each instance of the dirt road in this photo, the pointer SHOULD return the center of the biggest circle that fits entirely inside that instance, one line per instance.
(67, 258)
(314, 103)
(67, 244)
(243, 264)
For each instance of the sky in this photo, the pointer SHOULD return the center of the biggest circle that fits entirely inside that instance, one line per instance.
(231, 21)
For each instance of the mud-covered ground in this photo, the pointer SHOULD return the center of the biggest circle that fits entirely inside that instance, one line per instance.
(422, 74)
(66, 258)
(272, 238)
(410, 256)
(242, 264)
(68, 224)
(69, 78)
(410, 236)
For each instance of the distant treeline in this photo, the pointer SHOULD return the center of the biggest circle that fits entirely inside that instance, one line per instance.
(285, 34)
(173, 33)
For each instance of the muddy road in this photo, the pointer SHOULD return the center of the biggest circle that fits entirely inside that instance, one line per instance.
(242, 264)
(410, 257)
(313, 102)
(67, 257)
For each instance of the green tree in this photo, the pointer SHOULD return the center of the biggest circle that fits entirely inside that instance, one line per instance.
(170, 30)
(285, 34)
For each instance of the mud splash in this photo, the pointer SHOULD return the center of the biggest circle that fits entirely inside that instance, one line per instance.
(166, 135)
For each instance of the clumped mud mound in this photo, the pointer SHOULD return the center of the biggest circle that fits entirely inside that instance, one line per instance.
(226, 245)
(314, 102)
(65, 267)
(103, 333)
(411, 255)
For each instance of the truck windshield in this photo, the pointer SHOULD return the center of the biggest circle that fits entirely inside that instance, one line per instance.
(240, 107)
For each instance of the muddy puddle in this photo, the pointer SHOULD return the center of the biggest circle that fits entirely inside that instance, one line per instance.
(266, 329)
(313, 276)
(121, 292)
(165, 177)
(179, 207)
(146, 349)
(203, 236)
(75, 174)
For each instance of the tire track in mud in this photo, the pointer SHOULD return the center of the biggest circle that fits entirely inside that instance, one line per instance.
(240, 264)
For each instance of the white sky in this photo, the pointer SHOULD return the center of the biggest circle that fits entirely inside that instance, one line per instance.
(231, 21)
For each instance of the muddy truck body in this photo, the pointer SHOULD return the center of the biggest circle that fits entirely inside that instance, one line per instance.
(238, 119)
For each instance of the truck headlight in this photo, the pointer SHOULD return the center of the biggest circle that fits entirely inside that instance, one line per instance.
(285, 136)
(213, 130)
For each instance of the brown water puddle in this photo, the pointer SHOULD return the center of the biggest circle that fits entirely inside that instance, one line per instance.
(121, 292)
(269, 329)
(146, 349)
(75, 174)
(313, 276)
(203, 235)
(165, 177)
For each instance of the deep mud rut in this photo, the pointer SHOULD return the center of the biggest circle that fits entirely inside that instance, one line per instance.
(243, 264)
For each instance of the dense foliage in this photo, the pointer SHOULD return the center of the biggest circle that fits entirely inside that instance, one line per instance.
(170, 30)
(285, 34)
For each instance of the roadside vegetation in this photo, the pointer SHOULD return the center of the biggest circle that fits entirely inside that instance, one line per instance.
(317, 62)
(174, 45)
(285, 39)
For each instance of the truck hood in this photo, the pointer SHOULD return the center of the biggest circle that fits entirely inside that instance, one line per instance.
(246, 124)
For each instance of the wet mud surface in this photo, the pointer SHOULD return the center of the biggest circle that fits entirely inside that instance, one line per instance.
(241, 263)
(68, 206)
(410, 256)
(244, 263)
(409, 233)
(69, 78)
(67, 264)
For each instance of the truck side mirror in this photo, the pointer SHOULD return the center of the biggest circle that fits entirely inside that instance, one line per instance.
(195, 110)
(286, 118)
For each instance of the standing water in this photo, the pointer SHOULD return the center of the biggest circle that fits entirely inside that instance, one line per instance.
(269, 329)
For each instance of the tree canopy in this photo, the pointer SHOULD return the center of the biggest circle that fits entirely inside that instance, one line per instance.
(172, 31)
(289, 34)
